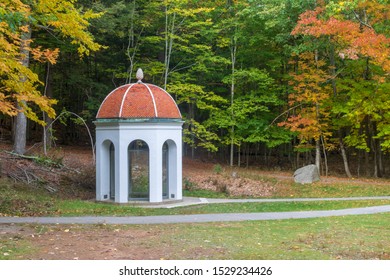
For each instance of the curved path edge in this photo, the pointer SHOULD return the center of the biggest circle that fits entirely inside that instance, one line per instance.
(187, 201)
(200, 218)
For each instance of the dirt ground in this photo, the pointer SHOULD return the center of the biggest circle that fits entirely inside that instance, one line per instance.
(88, 242)
(84, 242)
(71, 242)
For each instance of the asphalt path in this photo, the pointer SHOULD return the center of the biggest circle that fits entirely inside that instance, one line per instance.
(199, 218)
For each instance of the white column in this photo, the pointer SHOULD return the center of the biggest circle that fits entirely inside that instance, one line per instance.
(179, 168)
(155, 171)
(99, 171)
(102, 167)
(121, 171)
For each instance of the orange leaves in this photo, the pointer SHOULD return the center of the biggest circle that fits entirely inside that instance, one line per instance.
(46, 55)
(307, 21)
(6, 106)
(306, 124)
(24, 28)
(354, 38)
(299, 123)
(379, 11)
(310, 117)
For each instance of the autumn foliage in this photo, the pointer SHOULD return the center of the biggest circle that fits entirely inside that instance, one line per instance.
(309, 100)
(19, 84)
(354, 38)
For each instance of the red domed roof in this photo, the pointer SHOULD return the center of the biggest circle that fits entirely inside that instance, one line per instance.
(138, 100)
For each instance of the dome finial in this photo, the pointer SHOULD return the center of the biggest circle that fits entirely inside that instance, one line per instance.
(139, 75)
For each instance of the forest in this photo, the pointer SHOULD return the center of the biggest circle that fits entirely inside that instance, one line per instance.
(273, 83)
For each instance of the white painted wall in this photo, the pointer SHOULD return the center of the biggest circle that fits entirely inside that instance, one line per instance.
(121, 133)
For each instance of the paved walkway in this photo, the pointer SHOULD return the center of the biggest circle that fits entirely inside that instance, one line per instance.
(188, 201)
(202, 218)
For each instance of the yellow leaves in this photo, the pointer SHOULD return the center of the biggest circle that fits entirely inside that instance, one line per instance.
(7, 107)
(91, 14)
(13, 6)
(24, 28)
(223, 42)
(71, 23)
(310, 118)
(45, 104)
(47, 55)
(18, 84)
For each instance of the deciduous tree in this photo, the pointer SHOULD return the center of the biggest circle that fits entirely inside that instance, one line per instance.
(19, 20)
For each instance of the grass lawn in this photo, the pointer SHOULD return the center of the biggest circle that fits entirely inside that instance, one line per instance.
(350, 237)
(23, 200)
(354, 237)
(324, 189)
(80, 208)
(315, 190)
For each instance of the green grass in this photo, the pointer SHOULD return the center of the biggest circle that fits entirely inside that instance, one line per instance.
(23, 200)
(349, 237)
(286, 188)
(352, 237)
(320, 189)
(83, 208)
(315, 190)
(251, 207)
(14, 247)
(204, 193)
(342, 188)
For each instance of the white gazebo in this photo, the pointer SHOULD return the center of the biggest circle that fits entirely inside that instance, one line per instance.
(138, 145)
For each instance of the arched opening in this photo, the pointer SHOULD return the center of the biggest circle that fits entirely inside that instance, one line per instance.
(138, 154)
(105, 167)
(165, 171)
(169, 170)
(112, 171)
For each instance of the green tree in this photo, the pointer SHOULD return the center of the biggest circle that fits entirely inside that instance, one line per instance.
(21, 20)
(355, 34)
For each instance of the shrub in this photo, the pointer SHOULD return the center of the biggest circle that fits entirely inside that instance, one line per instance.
(188, 185)
(218, 169)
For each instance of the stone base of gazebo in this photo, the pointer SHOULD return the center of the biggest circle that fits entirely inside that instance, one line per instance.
(140, 203)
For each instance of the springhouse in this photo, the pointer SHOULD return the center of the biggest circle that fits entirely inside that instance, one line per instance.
(138, 145)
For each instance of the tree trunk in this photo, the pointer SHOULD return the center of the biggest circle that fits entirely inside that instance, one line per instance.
(380, 160)
(21, 119)
(239, 155)
(233, 53)
(359, 162)
(318, 155)
(169, 33)
(247, 155)
(47, 130)
(345, 159)
(376, 147)
(334, 87)
(232, 148)
(325, 156)
(367, 163)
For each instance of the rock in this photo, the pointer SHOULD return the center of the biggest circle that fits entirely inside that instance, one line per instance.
(307, 174)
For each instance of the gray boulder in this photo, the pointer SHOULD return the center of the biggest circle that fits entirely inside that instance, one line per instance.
(307, 174)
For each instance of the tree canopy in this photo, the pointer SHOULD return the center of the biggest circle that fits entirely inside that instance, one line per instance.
(292, 80)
